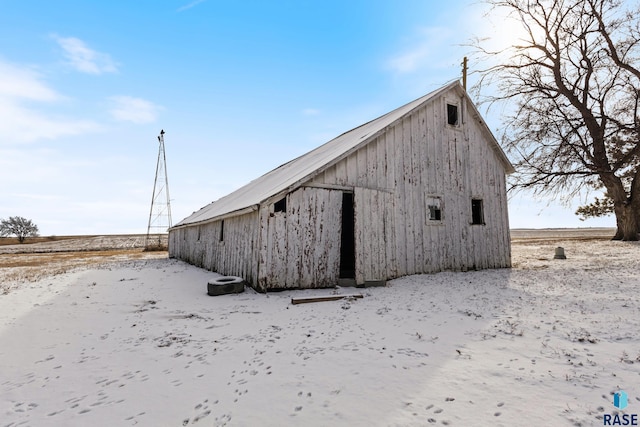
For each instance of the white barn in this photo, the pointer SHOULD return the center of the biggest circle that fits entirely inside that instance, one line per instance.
(418, 190)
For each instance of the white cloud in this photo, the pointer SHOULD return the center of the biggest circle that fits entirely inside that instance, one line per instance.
(19, 124)
(36, 196)
(136, 110)
(84, 59)
(430, 45)
(22, 82)
(310, 112)
(190, 5)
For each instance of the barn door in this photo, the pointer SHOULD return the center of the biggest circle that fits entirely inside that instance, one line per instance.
(311, 251)
(374, 238)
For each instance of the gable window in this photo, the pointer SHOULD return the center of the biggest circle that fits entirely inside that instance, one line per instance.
(477, 212)
(280, 205)
(452, 114)
(434, 209)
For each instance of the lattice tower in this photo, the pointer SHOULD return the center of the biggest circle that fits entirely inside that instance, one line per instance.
(160, 213)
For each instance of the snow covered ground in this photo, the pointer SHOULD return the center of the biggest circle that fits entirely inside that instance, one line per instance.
(139, 342)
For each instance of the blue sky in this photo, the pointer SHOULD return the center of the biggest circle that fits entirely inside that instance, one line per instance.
(239, 88)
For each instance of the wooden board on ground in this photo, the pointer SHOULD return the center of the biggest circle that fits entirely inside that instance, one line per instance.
(306, 300)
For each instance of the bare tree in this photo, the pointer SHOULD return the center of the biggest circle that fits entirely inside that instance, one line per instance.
(574, 79)
(19, 227)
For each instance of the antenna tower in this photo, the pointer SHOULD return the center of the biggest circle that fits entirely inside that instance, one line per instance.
(160, 213)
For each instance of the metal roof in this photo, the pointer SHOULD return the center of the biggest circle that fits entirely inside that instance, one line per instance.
(297, 171)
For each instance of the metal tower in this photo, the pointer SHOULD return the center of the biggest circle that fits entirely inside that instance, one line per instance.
(160, 213)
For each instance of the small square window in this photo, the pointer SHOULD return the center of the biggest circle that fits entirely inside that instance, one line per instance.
(452, 114)
(477, 212)
(434, 209)
(280, 205)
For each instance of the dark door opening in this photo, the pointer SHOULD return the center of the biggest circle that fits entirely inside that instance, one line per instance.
(347, 239)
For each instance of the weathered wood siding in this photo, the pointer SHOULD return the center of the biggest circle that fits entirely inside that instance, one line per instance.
(234, 255)
(300, 248)
(418, 157)
(374, 236)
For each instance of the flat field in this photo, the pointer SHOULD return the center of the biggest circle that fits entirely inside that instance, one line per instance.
(50, 256)
(125, 337)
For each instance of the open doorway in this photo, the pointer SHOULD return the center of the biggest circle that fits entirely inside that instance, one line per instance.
(347, 239)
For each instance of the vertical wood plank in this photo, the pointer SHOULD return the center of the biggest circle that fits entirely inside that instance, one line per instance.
(401, 208)
(280, 249)
(361, 167)
(372, 164)
(307, 218)
(332, 233)
(390, 153)
(381, 171)
(352, 169)
(378, 245)
(358, 202)
(390, 237)
(418, 169)
(408, 193)
(319, 249)
(371, 239)
(294, 240)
